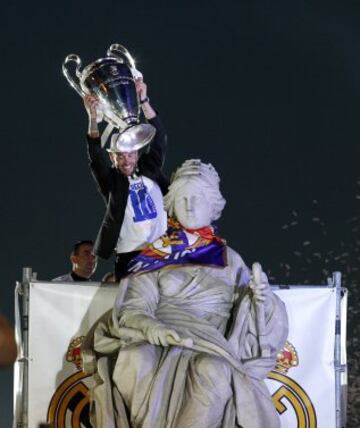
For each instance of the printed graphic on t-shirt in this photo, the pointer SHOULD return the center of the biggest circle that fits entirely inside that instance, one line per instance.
(141, 201)
(145, 217)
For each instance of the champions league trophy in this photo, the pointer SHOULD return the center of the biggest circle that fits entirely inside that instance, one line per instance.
(112, 80)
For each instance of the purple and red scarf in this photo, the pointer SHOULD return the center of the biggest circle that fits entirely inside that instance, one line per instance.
(180, 246)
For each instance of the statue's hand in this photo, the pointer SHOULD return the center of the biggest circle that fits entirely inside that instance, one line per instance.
(161, 335)
(259, 284)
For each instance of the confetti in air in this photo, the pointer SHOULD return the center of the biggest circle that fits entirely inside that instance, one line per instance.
(317, 246)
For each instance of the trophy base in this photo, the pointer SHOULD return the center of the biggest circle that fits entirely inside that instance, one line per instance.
(133, 138)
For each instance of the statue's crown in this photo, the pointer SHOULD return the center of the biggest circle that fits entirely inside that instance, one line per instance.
(194, 167)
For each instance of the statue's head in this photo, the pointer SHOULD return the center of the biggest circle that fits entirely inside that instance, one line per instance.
(194, 197)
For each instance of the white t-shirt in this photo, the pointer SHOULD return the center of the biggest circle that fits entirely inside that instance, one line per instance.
(145, 218)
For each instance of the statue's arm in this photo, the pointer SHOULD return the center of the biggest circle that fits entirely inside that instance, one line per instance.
(253, 282)
(267, 322)
(138, 311)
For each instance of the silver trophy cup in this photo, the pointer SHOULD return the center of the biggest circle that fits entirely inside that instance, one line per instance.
(112, 80)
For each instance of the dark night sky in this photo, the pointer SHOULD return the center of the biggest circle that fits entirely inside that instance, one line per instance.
(266, 91)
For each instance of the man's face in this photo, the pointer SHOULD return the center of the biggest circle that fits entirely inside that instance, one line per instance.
(125, 162)
(84, 263)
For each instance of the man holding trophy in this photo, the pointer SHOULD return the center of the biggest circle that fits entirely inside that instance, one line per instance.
(132, 187)
(132, 183)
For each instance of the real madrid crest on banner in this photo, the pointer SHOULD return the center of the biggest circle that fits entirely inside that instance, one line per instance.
(69, 406)
(290, 396)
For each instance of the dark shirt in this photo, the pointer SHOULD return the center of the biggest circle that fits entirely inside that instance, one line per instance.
(114, 186)
(78, 278)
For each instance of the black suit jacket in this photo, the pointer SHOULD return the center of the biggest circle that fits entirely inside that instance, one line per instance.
(114, 186)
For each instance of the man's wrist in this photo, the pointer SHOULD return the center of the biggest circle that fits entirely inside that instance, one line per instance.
(93, 129)
(148, 111)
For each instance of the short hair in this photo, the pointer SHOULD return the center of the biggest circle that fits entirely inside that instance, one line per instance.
(203, 176)
(78, 244)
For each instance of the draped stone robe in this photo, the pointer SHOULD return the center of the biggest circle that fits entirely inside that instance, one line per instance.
(217, 382)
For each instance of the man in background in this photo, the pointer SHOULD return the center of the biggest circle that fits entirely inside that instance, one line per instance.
(83, 262)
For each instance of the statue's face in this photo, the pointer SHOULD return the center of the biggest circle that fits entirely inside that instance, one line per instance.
(191, 207)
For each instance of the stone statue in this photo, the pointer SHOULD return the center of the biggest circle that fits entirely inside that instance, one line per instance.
(193, 332)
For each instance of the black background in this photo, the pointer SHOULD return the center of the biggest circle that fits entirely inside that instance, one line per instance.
(268, 92)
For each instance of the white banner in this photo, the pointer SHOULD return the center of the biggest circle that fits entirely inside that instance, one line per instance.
(302, 386)
(305, 394)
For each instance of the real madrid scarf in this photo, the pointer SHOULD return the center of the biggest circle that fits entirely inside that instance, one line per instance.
(179, 247)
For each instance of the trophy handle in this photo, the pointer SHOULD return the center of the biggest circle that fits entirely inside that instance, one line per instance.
(116, 49)
(75, 84)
